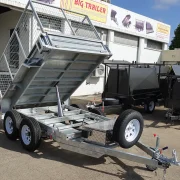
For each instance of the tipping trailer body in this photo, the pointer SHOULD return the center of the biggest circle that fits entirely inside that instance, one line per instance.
(65, 56)
(40, 74)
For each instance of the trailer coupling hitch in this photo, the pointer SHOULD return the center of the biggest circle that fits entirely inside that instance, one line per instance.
(163, 159)
(174, 159)
(171, 161)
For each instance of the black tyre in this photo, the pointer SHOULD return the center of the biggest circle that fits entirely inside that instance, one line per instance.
(149, 106)
(151, 168)
(110, 101)
(30, 134)
(79, 106)
(96, 111)
(12, 120)
(128, 128)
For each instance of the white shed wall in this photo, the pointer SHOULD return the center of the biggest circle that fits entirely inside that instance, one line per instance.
(123, 52)
(8, 20)
(150, 56)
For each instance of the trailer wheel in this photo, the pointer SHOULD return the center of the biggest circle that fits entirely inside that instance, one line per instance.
(151, 168)
(149, 106)
(128, 128)
(11, 123)
(30, 134)
(110, 101)
(96, 111)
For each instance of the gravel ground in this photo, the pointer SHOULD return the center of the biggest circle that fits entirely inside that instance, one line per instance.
(51, 162)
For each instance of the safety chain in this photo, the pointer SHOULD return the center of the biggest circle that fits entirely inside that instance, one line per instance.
(164, 174)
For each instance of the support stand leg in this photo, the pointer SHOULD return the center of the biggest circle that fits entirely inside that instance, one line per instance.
(60, 112)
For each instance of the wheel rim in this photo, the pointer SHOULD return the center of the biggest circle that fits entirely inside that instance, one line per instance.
(151, 106)
(9, 125)
(26, 134)
(132, 130)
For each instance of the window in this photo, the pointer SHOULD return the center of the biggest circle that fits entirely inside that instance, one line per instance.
(50, 23)
(154, 44)
(126, 39)
(103, 33)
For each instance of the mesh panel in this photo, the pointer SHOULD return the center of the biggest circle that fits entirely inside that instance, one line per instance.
(12, 53)
(83, 29)
(65, 22)
(5, 80)
(51, 23)
(24, 33)
(35, 31)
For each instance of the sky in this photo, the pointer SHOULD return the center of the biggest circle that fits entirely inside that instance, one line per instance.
(167, 11)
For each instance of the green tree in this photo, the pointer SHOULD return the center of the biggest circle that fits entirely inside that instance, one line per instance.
(175, 43)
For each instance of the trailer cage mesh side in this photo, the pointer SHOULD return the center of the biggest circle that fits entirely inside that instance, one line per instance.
(40, 18)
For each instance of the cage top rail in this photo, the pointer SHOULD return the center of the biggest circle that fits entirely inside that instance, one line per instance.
(65, 12)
